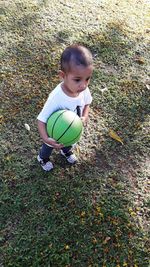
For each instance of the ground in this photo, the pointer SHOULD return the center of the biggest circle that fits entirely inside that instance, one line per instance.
(95, 213)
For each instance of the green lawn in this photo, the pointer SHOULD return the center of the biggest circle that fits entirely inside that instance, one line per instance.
(96, 213)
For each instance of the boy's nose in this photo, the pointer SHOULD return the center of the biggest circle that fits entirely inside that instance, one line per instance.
(83, 85)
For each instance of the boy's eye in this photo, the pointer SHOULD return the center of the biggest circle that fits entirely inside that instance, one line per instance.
(77, 80)
(88, 79)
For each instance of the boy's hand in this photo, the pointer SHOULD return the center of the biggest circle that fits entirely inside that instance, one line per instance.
(84, 120)
(54, 143)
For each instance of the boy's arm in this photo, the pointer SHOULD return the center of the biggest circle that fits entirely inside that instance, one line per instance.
(85, 114)
(44, 136)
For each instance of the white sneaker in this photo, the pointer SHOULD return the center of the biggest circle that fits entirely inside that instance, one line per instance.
(46, 166)
(70, 157)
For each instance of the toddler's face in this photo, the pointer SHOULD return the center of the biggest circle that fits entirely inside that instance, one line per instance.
(76, 81)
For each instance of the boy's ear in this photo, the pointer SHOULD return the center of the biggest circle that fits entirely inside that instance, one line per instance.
(61, 74)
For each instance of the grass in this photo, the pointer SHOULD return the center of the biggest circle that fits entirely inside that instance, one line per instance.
(94, 214)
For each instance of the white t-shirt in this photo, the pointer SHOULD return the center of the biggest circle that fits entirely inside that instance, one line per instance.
(58, 100)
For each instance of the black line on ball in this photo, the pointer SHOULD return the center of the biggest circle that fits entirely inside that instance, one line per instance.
(74, 138)
(67, 128)
(56, 121)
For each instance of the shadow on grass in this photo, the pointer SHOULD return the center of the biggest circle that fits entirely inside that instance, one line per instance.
(75, 216)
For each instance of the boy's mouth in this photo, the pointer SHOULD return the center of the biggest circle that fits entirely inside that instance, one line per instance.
(79, 91)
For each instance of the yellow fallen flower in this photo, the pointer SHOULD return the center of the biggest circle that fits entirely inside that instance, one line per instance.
(66, 247)
(115, 136)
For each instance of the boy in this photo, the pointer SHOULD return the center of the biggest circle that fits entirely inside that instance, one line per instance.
(72, 94)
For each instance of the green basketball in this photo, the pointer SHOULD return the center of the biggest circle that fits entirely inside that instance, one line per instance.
(65, 127)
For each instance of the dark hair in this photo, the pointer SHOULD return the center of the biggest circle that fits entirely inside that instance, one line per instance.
(75, 55)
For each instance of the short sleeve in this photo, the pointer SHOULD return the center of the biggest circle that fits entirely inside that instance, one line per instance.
(87, 97)
(48, 109)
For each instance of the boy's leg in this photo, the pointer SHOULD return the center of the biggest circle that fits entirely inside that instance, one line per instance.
(43, 157)
(45, 152)
(68, 154)
(66, 149)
